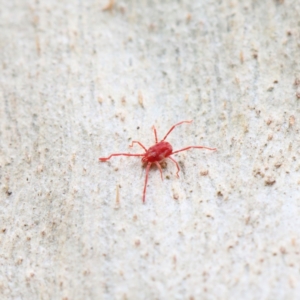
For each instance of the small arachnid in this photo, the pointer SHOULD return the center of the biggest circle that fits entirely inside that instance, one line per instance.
(156, 154)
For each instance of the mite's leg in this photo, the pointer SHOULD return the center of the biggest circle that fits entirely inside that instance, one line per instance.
(160, 170)
(146, 180)
(177, 166)
(174, 127)
(119, 154)
(155, 134)
(136, 142)
(192, 147)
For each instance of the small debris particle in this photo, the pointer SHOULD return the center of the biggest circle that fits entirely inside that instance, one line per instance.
(174, 259)
(163, 164)
(111, 99)
(291, 121)
(278, 164)
(241, 57)
(204, 173)
(109, 6)
(151, 27)
(298, 95)
(123, 100)
(140, 98)
(219, 194)
(100, 100)
(117, 196)
(175, 196)
(282, 250)
(229, 247)
(247, 220)
(270, 89)
(258, 172)
(270, 181)
(292, 282)
(38, 46)
(188, 17)
(182, 166)
(269, 121)
(297, 82)
(137, 242)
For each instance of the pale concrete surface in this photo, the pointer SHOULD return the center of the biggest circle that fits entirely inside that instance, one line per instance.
(79, 83)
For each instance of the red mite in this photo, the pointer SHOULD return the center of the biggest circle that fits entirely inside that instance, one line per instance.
(156, 154)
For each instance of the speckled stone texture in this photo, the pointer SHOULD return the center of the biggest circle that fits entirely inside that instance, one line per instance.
(78, 82)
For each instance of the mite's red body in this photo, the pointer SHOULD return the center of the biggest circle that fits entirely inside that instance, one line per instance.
(157, 153)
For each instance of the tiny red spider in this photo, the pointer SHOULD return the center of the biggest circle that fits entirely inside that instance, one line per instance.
(156, 154)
